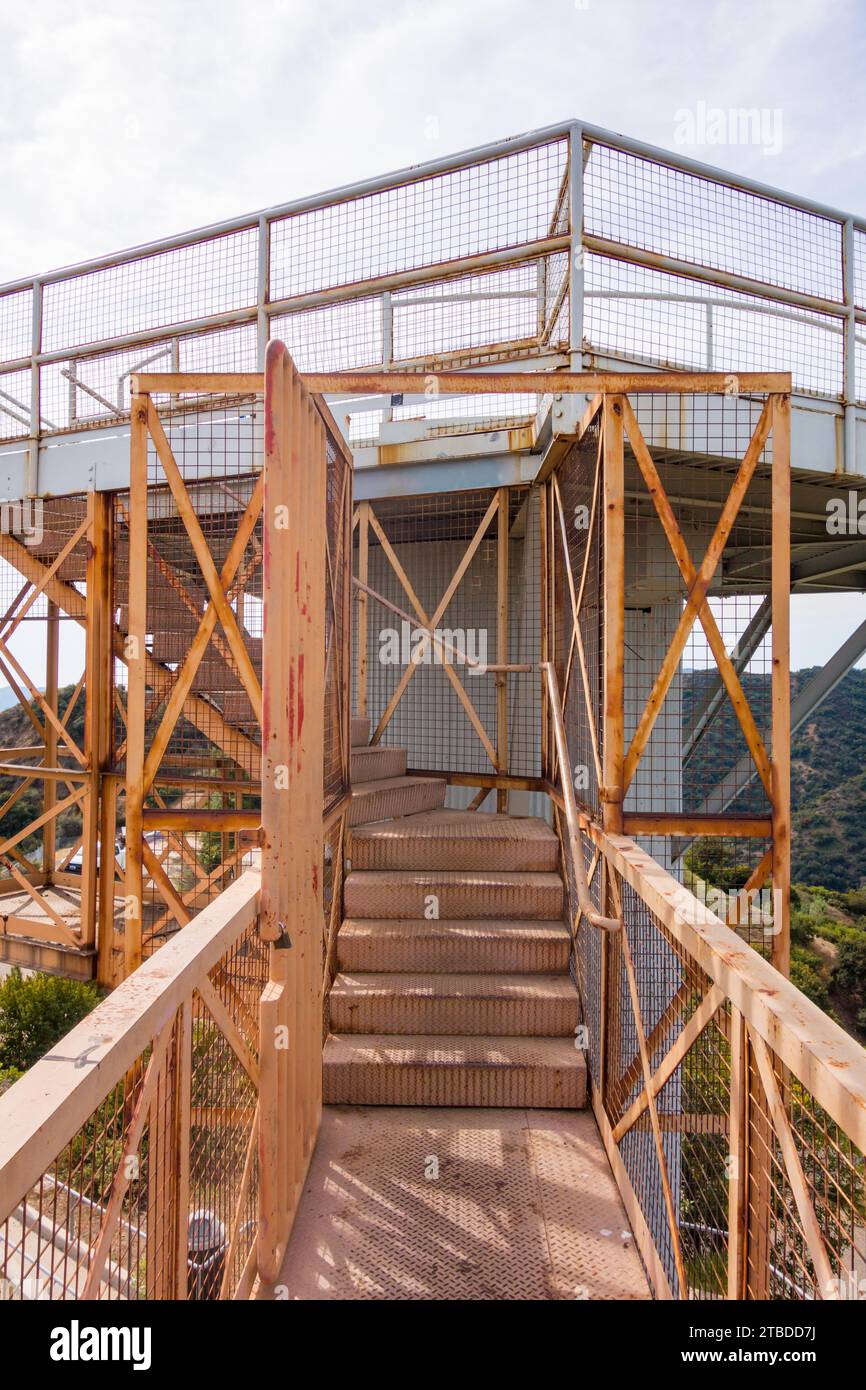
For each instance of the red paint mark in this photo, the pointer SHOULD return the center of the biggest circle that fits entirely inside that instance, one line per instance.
(291, 704)
(300, 693)
(316, 880)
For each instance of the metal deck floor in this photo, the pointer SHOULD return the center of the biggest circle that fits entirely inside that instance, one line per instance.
(524, 1207)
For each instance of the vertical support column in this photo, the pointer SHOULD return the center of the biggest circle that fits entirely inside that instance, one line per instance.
(544, 606)
(737, 1160)
(98, 683)
(781, 681)
(262, 290)
(849, 354)
(52, 652)
(363, 575)
(575, 258)
(106, 969)
(293, 651)
(613, 733)
(604, 991)
(759, 1145)
(135, 653)
(183, 1119)
(553, 613)
(161, 1176)
(502, 646)
(346, 634)
(31, 485)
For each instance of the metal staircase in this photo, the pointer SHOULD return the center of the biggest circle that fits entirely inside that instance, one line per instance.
(453, 984)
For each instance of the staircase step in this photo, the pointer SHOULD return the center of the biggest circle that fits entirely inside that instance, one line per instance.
(500, 1005)
(482, 945)
(376, 1069)
(360, 732)
(460, 893)
(394, 796)
(457, 840)
(374, 764)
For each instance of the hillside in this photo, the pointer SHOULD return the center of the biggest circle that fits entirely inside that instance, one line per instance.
(828, 774)
(17, 731)
(828, 771)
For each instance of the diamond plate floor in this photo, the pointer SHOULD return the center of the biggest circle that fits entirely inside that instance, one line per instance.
(473, 1204)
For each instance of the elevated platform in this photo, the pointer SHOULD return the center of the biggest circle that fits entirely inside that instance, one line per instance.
(46, 938)
(474, 1204)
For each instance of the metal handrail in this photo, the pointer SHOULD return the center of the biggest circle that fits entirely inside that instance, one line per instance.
(587, 907)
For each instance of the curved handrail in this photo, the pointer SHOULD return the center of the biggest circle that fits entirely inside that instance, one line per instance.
(587, 907)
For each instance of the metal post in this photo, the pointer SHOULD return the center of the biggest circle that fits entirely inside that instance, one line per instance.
(613, 729)
(849, 358)
(31, 482)
(575, 255)
(262, 289)
(568, 408)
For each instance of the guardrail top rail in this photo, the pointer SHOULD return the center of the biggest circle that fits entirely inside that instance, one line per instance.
(565, 239)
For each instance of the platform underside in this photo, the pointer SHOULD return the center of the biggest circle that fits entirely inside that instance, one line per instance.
(34, 939)
(417, 1204)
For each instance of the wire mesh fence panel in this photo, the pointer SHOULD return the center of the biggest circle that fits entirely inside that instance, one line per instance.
(576, 548)
(14, 404)
(714, 1140)
(700, 755)
(197, 727)
(47, 831)
(338, 540)
(466, 264)
(803, 1249)
(489, 206)
(441, 564)
(154, 1194)
(691, 1150)
(190, 282)
(650, 316)
(740, 1182)
(685, 216)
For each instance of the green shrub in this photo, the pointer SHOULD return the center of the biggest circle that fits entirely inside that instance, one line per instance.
(805, 976)
(8, 1077)
(35, 1012)
(802, 928)
(850, 971)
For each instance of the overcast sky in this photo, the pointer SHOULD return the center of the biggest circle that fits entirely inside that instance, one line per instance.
(122, 123)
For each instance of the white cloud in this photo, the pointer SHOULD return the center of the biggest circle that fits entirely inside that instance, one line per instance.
(118, 125)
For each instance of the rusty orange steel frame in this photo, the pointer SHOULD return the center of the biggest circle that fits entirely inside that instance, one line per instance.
(608, 403)
(289, 703)
(290, 1081)
(53, 921)
(616, 760)
(790, 1086)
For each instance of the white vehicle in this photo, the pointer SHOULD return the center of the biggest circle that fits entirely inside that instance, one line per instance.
(75, 864)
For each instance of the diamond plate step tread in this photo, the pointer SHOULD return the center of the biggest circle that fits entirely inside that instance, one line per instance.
(360, 731)
(394, 796)
(374, 764)
(468, 945)
(448, 839)
(524, 1207)
(474, 1004)
(459, 893)
(379, 1069)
